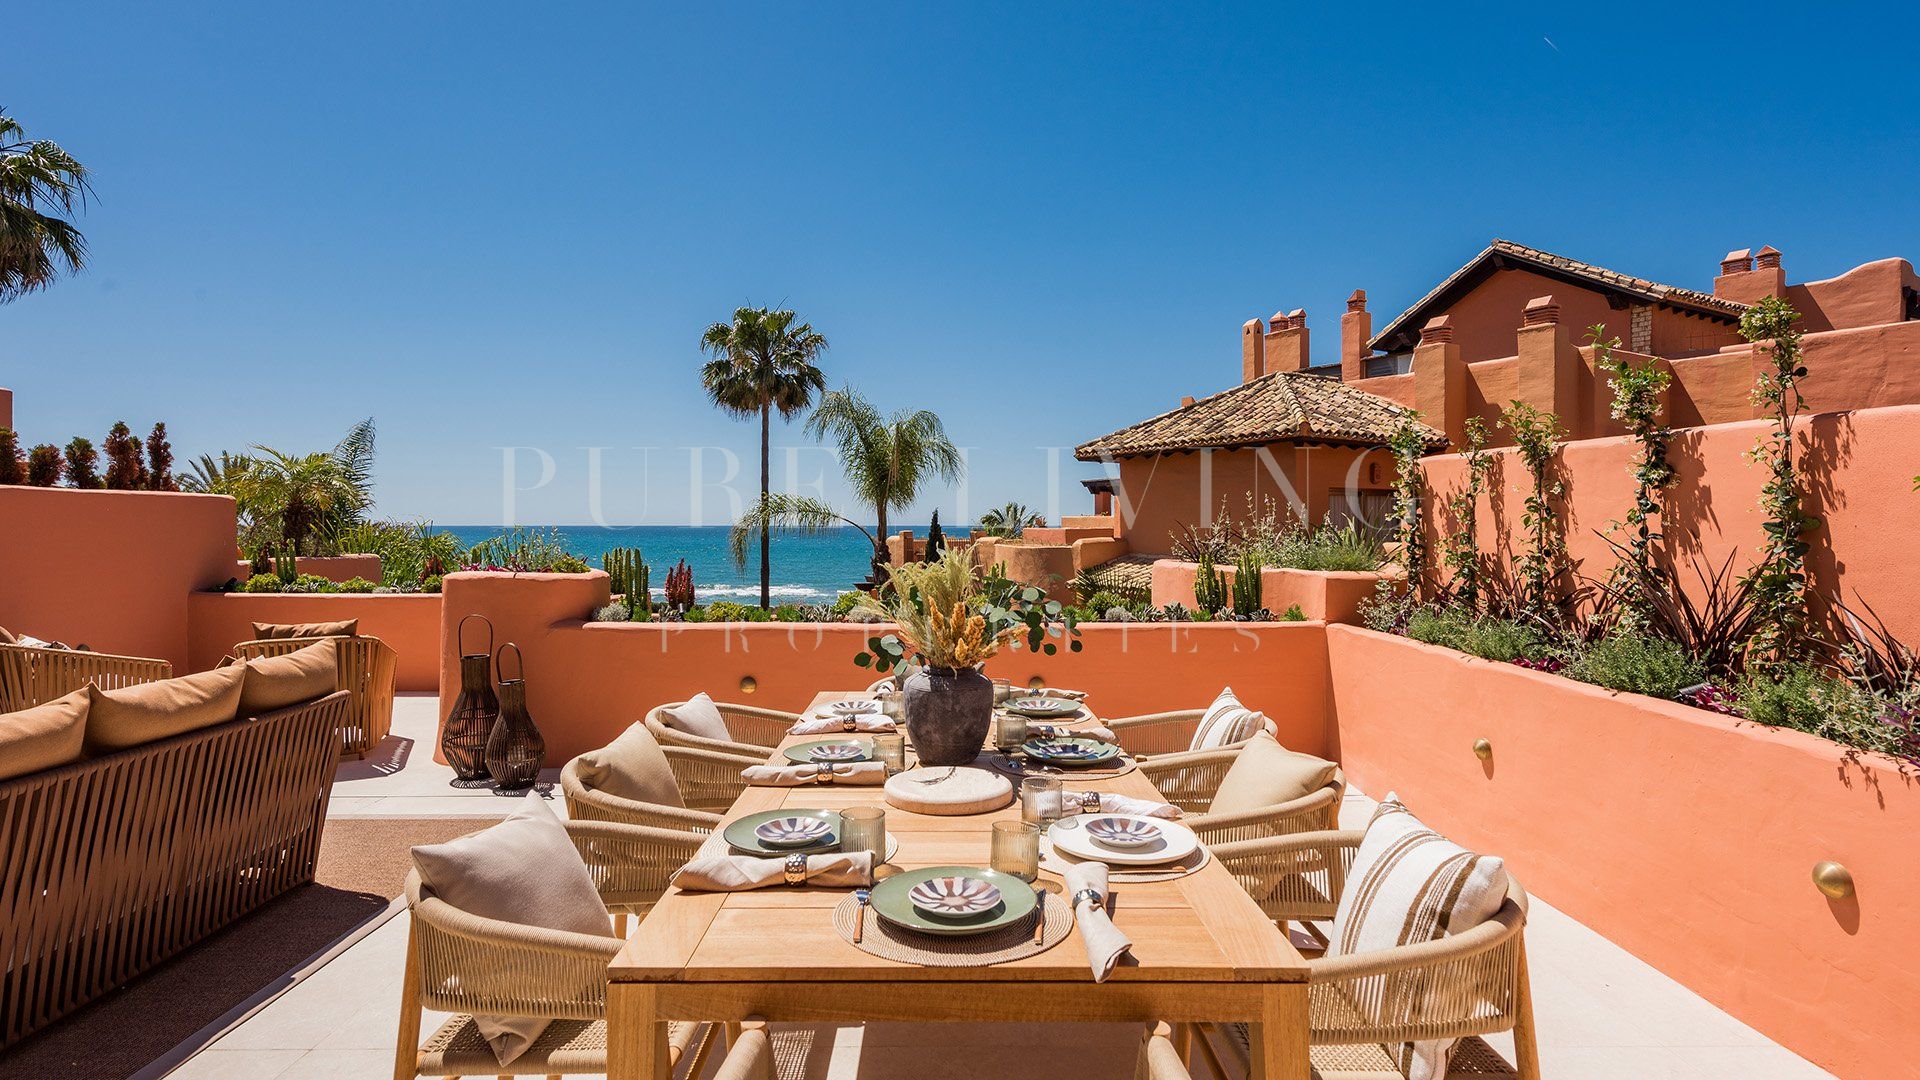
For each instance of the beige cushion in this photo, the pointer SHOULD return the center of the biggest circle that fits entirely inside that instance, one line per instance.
(269, 630)
(524, 871)
(1409, 884)
(1268, 774)
(7, 638)
(43, 737)
(631, 767)
(699, 717)
(275, 682)
(1225, 722)
(133, 715)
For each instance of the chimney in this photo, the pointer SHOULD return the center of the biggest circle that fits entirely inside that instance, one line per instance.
(1356, 328)
(1549, 367)
(1287, 341)
(1186, 401)
(1253, 350)
(1745, 278)
(1440, 380)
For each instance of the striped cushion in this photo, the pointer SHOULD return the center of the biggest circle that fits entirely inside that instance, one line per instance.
(1226, 722)
(1409, 884)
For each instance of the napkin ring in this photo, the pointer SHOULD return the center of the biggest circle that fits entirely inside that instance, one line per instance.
(823, 773)
(796, 868)
(1089, 802)
(849, 723)
(1090, 894)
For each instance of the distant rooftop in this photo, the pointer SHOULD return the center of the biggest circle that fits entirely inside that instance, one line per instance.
(1280, 406)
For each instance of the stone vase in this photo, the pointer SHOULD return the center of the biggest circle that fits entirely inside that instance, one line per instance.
(949, 713)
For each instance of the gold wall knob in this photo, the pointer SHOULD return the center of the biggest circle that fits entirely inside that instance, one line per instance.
(1833, 880)
(748, 684)
(1036, 683)
(1482, 749)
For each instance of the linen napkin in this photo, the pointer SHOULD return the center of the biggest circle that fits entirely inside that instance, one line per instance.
(856, 772)
(1059, 731)
(1105, 943)
(1054, 691)
(736, 873)
(1127, 804)
(825, 724)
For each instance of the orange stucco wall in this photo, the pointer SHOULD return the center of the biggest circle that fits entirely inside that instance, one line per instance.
(110, 569)
(1160, 495)
(409, 622)
(1485, 318)
(1329, 596)
(1685, 837)
(1861, 467)
(1864, 296)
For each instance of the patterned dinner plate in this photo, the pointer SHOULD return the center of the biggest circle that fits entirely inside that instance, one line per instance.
(743, 835)
(793, 831)
(1122, 832)
(854, 708)
(892, 901)
(1070, 750)
(1042, 706)
(1072, 836)
(837, 750)
(954, 897)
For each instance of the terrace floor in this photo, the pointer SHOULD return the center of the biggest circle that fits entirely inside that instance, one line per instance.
(1601, 1012)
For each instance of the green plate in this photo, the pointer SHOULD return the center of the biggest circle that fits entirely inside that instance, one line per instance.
(1101, 752)
(739, 834)
(890, 901)
(802, 752)
(1042, 707)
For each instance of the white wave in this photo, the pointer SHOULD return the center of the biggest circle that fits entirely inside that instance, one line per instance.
(797, 592)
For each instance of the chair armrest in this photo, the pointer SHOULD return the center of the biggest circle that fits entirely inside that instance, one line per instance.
(631, 864)
(667, 735)
(709, 779)
(587, 804)
(1298, 876)
(1157, 733)
(473, 964)
(752, 725)
(1309, 813)
(1189, 778)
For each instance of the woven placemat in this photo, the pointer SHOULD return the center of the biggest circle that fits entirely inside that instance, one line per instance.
(1007, 766)
(1057, 862)
(890, 942)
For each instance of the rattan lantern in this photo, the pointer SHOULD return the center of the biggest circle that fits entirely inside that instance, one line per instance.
(515, 750)
(463, 738)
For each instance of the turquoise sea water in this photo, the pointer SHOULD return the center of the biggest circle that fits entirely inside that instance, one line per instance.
(807, 569)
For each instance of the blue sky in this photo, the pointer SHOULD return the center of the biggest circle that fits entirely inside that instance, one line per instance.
(493, 225)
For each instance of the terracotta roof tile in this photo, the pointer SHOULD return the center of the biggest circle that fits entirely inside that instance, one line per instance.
(1282, 406)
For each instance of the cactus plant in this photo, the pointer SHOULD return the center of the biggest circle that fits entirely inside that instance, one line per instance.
(631, 577)
(1209, 586)
(285, 567)
(1246, 583)
(679, 588)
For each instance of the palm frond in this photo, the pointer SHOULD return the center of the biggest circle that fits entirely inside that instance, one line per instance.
(778, 513)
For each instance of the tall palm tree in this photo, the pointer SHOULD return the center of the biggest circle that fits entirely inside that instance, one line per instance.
(762, 363)
(40, 184)
(885, 458)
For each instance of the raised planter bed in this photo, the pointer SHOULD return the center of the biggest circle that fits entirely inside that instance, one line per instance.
(1322, 595)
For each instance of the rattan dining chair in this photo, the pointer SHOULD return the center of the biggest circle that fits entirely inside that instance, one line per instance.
(368, 669)
(465, 964)
(752, 730)
(1190, 780)
(587, 803)
(31, 675)
(1153, 734)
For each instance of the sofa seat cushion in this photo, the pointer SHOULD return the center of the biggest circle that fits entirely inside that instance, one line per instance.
(632, 767)
(1268, 774)
(268, 631)
(275, 682)
(43, 737)
(699, 717)
(134, 715)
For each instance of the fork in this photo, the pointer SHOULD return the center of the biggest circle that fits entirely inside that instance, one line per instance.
(1039, 915)
(862, 897)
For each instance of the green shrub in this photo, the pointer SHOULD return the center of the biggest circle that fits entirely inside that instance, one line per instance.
(694, 614)
(844, 603)
(1330, 547)
(728, 611)
(1487, 637)
(430, 583)
(1292, 614)
(262, 583)
(1103, 600)
(354, 585)
(787, 613)
(1818, 702)
(308, 583)
(613, 613)
(1635, 664)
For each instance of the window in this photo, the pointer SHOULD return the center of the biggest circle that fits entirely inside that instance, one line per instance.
(1371, 511)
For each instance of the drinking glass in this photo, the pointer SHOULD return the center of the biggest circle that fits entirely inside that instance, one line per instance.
(1002, 691)
(891, 705)
(1016, 849)
(1009, 731)
(890, 749)
(864, 828)
(1040, 800)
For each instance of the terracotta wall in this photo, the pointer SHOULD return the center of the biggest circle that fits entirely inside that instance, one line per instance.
(1327, 596)
(1684, 837)
(1861, 469)
(111, 569)
(409, 622)
(1162, 494)
(331, 567)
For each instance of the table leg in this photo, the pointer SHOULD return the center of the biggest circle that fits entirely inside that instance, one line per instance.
(636, 1036)
(1280, 1038)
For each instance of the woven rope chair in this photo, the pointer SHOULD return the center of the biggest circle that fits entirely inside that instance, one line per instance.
(585, 803)
(753, 730)
(1472, 983)
(1162, 733)
(1189, 781)
(31, 676)
(368, 669)
(465, 964)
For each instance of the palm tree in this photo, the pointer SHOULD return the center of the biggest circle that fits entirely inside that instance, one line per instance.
(1010, 520)
(885, 460)
(37, 177)
(309, 496)
(762, 363)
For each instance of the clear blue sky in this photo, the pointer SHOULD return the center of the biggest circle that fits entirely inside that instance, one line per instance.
(507, 224)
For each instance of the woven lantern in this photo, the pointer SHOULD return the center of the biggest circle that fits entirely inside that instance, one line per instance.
(463, 738)
(515, 750)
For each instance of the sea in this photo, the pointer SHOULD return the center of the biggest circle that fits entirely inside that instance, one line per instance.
(811, 568)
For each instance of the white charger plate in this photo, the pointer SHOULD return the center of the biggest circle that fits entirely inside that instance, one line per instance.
(1176, 842)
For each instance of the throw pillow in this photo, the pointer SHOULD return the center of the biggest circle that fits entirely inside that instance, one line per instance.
(1225, 722)
(133, 715)
(698, 717)
(43, 737)
(1268, 774)
(631, 767)
(525, 871)
(275, 682)
(264, 631)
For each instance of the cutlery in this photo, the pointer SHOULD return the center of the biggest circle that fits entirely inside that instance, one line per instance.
(862, 897)
(1039, 915)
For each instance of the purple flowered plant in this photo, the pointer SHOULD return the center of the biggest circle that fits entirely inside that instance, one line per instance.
(1549, 664)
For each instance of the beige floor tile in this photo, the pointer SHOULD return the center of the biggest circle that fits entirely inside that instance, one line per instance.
(237, 1065)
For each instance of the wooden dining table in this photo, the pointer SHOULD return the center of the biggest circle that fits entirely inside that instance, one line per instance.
(1202, 951)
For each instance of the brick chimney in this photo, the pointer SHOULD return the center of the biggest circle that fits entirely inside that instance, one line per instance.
(1549, 366)
(1186, 401)
(1253, 350)
(1748, 276)
(1356, 328)
(1287, 341)
(1440, 380)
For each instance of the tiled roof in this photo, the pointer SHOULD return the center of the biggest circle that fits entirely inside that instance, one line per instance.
(1128, 574)
(1282, 406)
(1409, 321)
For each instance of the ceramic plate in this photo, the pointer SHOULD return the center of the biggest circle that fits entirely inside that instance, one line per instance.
(740, 835)
(793, 831)
(1070, 751)
(957, 897)
(842, 750)
(1042, 706)
(853, 708)
(1124, 833)
(891, 902)
(1070, 835)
